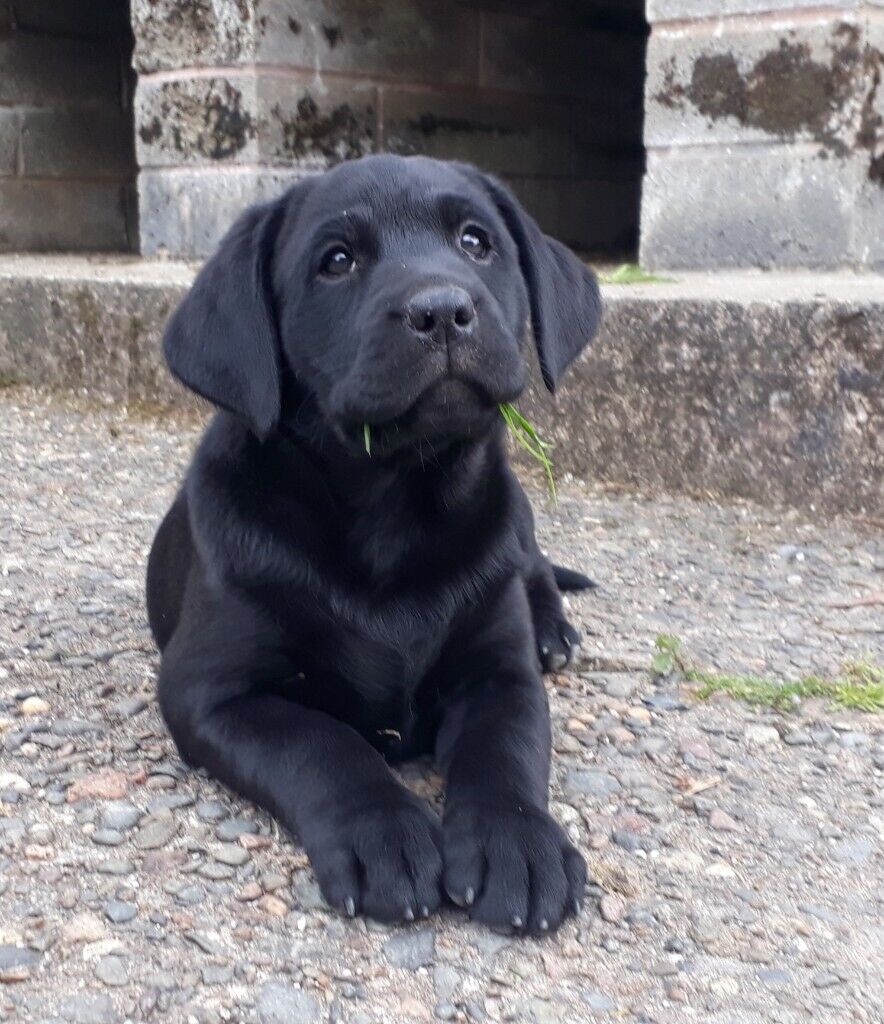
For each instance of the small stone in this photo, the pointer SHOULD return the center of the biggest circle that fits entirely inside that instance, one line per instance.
(231, 853)
(774, 977)
(598, 1002)
(612, 908)
(760, 735)
(211, 810)
(207, 943)
(14, 782)
(825, 979)
(85, 927)
(104, 785)
(156, 834)
(411, 949)
(119, 911)
(120, 815)
(107, 837)
(233, 828)
(83, 1008)
(129, 707)
(213, 975)
(249, 892)
(273, 905)
(591, 782)
(17, 956)
(721, 821)
(112, 970)
(279, 1002)
(34, 706)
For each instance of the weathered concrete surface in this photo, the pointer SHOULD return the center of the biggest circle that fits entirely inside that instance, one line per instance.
(764, 137)
(769, 386)
(736, 855)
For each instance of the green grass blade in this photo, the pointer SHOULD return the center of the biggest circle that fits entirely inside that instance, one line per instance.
(526, 435)
(366, 433)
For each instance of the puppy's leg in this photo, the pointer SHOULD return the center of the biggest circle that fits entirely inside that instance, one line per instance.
(373, 845)
(504, 856)
(557, 640)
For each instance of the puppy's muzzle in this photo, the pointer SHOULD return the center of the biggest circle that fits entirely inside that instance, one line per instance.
(441, 314)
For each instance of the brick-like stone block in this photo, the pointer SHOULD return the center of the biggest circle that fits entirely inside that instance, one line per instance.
(89, 142)
(185, 33)
(249, 117)
(84, 18)
(780, 206)
(671, 10)
(45, 216)
(186, 211)
(750, 84)
(197, 120)
(46, 71)
(312, 127)
(562, 57)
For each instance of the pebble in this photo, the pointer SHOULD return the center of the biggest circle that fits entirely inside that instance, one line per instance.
(119, 911)
(84, 927)
(231, 853)
(721, 821)
(280, 1002)
(591, 782)
(411, 948)
(120, 815)
(86, 1008)
(34, 706)
(112, 970)
(106, 785)
(612, 908)
(107, 837)
(761, 735)
(156, 833)
(233, 828)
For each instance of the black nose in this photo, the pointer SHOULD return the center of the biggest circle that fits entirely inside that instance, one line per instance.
(445, 311)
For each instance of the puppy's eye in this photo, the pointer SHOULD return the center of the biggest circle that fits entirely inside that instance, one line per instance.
(337, 262)
(474, 242)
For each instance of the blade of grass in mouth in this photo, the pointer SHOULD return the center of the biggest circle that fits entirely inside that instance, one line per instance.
(526, 435)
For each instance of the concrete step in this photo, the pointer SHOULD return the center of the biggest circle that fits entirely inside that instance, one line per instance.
(761, 385)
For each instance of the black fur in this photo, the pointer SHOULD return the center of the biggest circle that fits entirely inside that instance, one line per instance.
(323, 612)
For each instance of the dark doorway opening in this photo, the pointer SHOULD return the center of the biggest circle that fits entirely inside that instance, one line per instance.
(67, 160)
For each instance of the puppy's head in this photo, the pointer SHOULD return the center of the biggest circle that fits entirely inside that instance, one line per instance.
(396, 291)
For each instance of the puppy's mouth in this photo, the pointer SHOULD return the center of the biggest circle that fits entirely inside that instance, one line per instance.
(449, 410)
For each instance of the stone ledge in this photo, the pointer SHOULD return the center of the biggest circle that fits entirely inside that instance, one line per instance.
(766, 386)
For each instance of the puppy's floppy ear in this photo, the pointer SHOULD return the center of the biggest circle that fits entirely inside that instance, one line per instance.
(566, 306)
(222, 341)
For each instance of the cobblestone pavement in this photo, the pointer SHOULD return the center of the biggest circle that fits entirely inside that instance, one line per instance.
(737, 854)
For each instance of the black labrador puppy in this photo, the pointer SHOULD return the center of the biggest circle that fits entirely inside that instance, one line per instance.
(349, 575)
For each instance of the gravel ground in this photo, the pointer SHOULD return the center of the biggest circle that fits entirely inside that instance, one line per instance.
(737, 854)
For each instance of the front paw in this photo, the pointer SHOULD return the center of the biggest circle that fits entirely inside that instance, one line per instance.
(557, 641)
(379, 857)
(512, 866)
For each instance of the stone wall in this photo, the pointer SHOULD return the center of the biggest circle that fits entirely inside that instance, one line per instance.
(238, 98)
(67, 162)
(764, 134)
